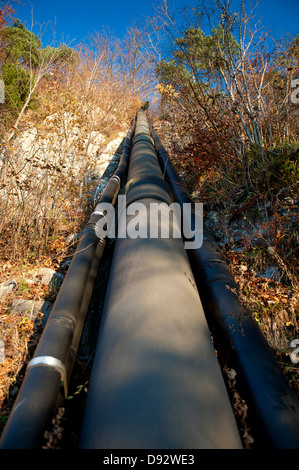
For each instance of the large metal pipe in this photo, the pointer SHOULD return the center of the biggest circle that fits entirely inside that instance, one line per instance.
(49, 371)
(156, 381)
(273, 407)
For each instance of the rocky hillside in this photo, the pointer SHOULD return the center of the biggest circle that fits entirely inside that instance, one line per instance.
(43, 160)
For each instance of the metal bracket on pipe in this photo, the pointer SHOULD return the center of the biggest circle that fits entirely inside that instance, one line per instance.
(115, 177)
(50, 361)
(98, 213)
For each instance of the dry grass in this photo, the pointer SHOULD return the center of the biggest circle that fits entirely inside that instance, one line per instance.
(15, 333)
(273, 304)
(19, 335)
(240, 408)
(18, 332)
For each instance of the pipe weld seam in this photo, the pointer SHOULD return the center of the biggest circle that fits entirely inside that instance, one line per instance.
(141, 138)
(230, 285)
(149, 195)
(149, 180)
(53, 362)
(211, 260)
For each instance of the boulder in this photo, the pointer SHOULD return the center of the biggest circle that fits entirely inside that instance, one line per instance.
(48, 276)
(7, 287)
(31, 308)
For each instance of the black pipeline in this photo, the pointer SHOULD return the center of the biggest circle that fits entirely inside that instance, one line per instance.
(156, 381)
(273, 408)
(48, 373)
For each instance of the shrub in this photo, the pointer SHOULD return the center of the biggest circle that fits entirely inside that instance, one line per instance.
(17, 87)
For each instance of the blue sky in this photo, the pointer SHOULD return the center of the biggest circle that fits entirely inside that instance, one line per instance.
(76, 19)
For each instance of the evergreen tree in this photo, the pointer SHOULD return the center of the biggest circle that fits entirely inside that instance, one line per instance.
(21, 46)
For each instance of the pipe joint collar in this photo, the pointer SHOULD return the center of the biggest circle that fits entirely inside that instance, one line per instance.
(152, 181)
(141, 138)
(49, 361)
